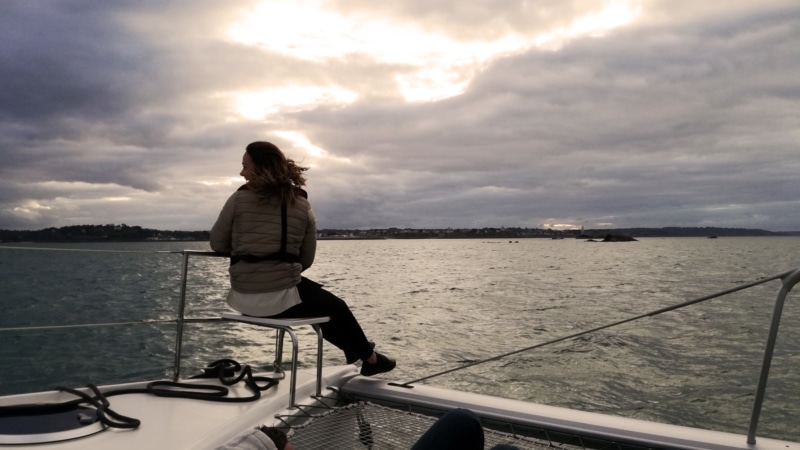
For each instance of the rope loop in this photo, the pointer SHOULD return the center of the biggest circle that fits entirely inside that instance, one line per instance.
(223, 369)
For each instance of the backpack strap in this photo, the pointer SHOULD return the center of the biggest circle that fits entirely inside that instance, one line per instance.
(281, 255)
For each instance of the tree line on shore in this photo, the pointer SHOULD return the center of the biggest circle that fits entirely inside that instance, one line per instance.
(100, 233)
(125, 233)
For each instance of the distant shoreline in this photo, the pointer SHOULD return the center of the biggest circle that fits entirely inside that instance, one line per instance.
(125, 233)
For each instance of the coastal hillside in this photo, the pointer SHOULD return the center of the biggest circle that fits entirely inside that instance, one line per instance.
(125, 233)
(100, 233)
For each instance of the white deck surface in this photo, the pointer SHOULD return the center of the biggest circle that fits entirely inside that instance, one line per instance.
(177, 423)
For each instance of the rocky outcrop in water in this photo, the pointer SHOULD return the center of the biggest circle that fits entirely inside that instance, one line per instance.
(618, 238)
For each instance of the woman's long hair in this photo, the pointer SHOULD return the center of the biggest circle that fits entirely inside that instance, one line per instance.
(274, 173)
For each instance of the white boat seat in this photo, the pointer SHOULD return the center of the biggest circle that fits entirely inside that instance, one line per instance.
(283, 326)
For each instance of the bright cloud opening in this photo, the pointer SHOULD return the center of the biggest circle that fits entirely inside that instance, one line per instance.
(257, 105)
(30, 208)
(434, 66)
(614, 15)
(301, 141)
(433, 84)
(562, 226)
(230, 181)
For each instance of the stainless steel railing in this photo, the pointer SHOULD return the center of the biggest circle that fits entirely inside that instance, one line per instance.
(788, 281)
(181, 319)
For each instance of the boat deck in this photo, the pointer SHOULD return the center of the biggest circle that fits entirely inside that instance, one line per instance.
(366, 413)
(183, 423)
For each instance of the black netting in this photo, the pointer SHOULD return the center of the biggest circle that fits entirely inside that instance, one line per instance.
(373, 427)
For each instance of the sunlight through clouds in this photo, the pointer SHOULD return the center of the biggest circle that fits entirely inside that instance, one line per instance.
(227, 181)
(301, 141)
(614, 15)
(433, 84)
(302, 29)
(561, 226)
(434, 66)
(31, 207)
(256, 105)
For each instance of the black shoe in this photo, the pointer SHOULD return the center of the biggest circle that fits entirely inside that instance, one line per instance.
(382, 365)
(352, 358)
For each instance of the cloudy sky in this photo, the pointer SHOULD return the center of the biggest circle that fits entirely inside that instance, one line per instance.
(412, 113)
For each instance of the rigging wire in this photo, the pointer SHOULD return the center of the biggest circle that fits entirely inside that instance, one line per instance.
(87, 325)
(87, 250)
(603, 327)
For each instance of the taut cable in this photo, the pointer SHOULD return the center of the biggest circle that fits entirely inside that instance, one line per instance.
(603, 327)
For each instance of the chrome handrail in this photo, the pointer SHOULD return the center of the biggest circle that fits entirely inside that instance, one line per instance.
(788, 281)
(181, 319)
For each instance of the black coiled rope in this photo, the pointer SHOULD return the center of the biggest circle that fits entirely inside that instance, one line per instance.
(224, 370)
(105, 414)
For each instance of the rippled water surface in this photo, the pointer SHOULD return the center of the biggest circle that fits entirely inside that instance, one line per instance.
(441, 304)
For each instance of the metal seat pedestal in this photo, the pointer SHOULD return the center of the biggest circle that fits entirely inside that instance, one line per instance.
(284, 326)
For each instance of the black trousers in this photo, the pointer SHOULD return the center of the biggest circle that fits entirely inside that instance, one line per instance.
(342, 330)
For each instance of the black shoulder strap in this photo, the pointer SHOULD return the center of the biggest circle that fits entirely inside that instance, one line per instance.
(282, 254)
(284, 228)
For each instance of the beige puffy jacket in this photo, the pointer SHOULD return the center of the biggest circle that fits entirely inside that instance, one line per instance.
(250, 225)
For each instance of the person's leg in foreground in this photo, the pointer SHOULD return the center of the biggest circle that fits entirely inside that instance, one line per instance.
(459, 429)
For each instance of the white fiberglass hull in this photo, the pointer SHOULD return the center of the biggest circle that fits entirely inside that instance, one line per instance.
(180, 423)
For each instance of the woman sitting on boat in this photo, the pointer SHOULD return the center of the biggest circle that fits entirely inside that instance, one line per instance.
(269, 229)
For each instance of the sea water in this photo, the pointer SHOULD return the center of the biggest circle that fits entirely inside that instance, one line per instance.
(437, 305)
